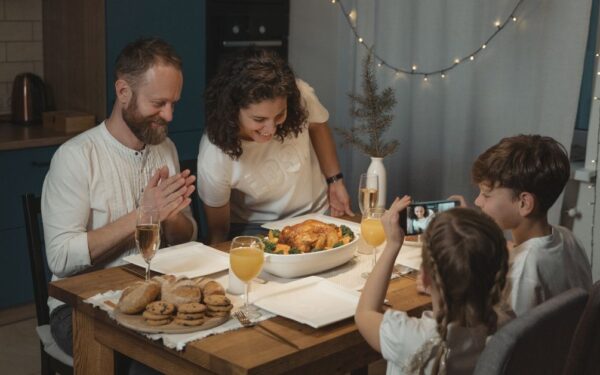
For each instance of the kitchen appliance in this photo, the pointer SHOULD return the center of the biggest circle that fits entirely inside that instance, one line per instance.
(28, 99)
(232, 25)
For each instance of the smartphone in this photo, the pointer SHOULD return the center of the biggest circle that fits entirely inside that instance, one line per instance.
(416, 217)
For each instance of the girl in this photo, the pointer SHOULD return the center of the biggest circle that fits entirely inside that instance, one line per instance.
(465, 264)
(267, 152)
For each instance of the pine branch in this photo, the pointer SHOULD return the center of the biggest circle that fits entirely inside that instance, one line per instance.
(373, 112)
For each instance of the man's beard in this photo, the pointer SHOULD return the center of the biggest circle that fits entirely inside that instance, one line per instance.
(142, 127)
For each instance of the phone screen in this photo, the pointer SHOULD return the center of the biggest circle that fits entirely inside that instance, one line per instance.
(418, 215)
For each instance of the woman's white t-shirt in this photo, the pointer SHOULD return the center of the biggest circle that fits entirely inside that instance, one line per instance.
(270, 180)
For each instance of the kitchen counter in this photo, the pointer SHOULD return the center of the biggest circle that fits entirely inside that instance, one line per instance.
(16, 137)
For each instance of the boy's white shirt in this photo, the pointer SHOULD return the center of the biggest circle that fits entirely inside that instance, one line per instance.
(543, 267)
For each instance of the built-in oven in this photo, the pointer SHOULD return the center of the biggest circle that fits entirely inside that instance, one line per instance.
(232, 25)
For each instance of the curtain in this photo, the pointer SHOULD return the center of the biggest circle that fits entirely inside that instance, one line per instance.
(527, 80)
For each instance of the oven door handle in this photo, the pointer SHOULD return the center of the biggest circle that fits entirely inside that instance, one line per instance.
(257, 43)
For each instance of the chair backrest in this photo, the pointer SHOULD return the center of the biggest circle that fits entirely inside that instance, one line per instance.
(32, 211)
(197, 211)
(536, 342)
(585, 347)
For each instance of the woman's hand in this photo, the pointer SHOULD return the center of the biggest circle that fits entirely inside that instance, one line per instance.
(339, 201)
(394, 235)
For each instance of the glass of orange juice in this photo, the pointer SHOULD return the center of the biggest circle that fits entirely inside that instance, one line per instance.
(371, 231)
(246, 258)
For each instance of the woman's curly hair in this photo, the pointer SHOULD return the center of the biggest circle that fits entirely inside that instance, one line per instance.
(250, 77)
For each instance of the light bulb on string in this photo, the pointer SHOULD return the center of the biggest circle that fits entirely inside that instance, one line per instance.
(351, 17)
(425, 78)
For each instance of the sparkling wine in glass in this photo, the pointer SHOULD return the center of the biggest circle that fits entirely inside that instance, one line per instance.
(368, 191)
(147, 233)
(246, 259)
(371, 230)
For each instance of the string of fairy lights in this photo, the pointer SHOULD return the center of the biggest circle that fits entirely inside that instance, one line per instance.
(414, 69)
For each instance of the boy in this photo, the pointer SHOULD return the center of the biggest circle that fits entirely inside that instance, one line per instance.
(519, 179)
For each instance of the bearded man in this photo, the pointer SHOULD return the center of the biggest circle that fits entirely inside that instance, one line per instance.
(98, 179)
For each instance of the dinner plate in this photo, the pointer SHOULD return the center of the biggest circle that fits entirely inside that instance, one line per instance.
(279, 224)
(313, 300)
(190, 259)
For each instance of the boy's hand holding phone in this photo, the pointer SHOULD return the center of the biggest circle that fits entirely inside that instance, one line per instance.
(461, 200)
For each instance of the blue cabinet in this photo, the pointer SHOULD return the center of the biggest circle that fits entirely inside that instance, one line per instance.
(23, 172)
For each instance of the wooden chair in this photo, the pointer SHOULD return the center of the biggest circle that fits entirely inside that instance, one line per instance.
(585, 348)
(536, 342)
(54, 360)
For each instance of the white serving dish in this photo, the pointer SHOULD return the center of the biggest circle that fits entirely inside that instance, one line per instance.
(297, 265)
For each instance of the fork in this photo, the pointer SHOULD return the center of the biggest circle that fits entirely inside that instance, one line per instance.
(243, 319)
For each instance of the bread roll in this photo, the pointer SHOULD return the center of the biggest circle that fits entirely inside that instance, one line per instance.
(213, 288)
(164, 279)
(135, 297)
(181, 291)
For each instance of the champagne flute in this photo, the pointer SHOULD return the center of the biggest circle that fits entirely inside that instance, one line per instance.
(147, 233)
(368, 191)
(246, 259)
(371, 230)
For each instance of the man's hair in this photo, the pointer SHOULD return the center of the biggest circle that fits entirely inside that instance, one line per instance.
(250, 77)
(139, 56)
(525, 163)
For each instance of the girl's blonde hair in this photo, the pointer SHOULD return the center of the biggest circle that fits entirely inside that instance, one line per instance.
(465, 256)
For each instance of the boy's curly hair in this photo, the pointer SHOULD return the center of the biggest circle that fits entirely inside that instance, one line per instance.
(248, 78)
(525, 163)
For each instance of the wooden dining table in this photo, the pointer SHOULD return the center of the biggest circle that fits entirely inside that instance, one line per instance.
(333, 349)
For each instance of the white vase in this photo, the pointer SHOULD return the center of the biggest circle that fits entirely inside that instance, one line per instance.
(378, 168)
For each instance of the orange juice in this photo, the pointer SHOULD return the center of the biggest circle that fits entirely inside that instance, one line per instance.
(372, 231)
(246, 262)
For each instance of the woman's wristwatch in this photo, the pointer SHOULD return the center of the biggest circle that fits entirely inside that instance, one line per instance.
(332, 179)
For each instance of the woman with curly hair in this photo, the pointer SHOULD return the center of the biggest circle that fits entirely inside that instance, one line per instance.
(465, 262)
(267, 152)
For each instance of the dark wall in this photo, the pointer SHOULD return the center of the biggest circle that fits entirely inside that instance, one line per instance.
(180, 23)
